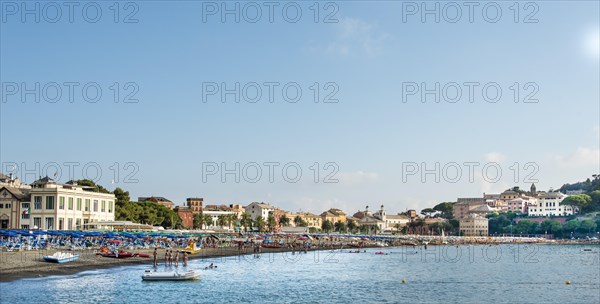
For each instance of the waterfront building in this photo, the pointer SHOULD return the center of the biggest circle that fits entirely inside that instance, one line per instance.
(520, 204)
(195, 204)
(186, 215)
(256, 210)
(382, 220)
(47, 204)
(473, 225)
(158, 200)
(463, 205)
(334, 215)
(311, 220)
(238, 209)
(548, 204)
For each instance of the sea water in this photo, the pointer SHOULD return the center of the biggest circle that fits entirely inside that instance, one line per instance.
(438, 274)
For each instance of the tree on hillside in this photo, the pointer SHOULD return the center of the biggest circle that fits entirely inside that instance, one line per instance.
(550, 227)
(428, 211)
(571, 226)
(446, 209)
(581, 201)
(92, 184)
(121, 196)
(587, 226)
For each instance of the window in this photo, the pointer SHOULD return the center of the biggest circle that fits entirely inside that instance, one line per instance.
(50, 204)
(70, 203)
(95, 205)
(77, 223)
(87, 204)
(50, 221)
(61, 202)
(37, 202)
(37, 222)
(78, 204)
(1, 205)
(25, 227)
(110, 206)
(70, 224)
(61, 223)
(103, 206)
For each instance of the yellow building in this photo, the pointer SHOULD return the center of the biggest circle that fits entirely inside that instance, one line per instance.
(333, 215)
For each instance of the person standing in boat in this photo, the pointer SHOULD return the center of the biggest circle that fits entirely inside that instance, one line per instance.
(177, 258)
(155, 256)
(170, 257)
(167, 258)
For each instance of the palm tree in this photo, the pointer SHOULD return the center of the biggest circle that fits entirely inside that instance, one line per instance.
(271, 223)
(259, 223)
(284, 220)
(198, 221)
(352, 225)
(398, 226)
(298, 221)
(246, 221)
(221, 220)
(207, 220)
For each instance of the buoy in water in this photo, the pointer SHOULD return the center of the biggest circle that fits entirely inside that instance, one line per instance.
(568, 282)
(403, 281)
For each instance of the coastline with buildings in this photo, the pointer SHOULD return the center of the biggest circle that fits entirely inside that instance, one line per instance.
(47, 216)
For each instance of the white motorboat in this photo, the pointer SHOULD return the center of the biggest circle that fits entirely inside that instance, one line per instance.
(150, 275)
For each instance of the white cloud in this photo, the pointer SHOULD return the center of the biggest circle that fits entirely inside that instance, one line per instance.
(582, 157)
(357, 177)
(494, 157)
(355, 36)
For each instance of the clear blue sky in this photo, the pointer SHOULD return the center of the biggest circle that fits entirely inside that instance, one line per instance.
(369, 53)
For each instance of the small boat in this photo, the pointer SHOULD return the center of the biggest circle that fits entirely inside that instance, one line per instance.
(122, 254)
(60, 257)
(191, 248)
(150, 275)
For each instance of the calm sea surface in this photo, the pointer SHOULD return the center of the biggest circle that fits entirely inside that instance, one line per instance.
(449, 274)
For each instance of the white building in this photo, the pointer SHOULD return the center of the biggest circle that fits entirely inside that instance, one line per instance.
(548, 204)
(381, 219)
(256, 210)
(53, 206)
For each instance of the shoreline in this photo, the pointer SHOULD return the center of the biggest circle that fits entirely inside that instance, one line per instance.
(29, 264)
